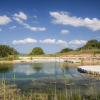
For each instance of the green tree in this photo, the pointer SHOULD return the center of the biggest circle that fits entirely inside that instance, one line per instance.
(65, 50)
(6, 50)
(91, 44)
(37, 51)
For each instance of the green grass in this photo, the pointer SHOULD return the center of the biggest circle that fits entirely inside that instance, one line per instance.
(92, 51)
(45, 55)
(95, 51)
(8, 58)
(4, 59)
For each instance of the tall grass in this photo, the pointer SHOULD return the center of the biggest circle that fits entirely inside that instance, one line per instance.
(11, 92)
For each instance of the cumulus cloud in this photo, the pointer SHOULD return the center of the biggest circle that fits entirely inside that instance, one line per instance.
(64, 31)
(78, 42)
(12, 27)
(21, 15)
(4, 20)
(65, 19)
(61, 42)
(48, 41)
(18, 20)
(28, 40)
(53, 41)
(28, 26)
(0, 29)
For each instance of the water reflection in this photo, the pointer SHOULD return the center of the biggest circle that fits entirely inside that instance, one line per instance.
(41, 69)
(42, 77)
(5, 68)
(24, 70)
(37, 67)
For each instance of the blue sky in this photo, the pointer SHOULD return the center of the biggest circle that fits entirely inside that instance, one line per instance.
(49, 24)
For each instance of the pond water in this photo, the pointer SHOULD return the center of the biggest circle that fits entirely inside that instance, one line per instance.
(51, 78)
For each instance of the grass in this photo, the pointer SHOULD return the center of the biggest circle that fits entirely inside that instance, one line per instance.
(4, 59)
(94, 51)
(9, 91)
(9, 58)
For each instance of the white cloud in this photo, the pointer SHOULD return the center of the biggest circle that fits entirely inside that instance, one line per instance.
(35, 16)
(12, 27)
(28, 40)
(21, 15)
(4, 20)
(53, 41)
(48, 41)
(0, 29)
(61, 42)
(28, 26)
(18, 20)
(35, 28)
(78, 42)
(64, 31)
(65, 19)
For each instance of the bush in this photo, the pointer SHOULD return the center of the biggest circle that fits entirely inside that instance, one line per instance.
(65, 50)
(6, 50)
(91, 44)
(37, 51)
(10, 57)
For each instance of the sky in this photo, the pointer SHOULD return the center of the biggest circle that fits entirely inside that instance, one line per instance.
(49, 24)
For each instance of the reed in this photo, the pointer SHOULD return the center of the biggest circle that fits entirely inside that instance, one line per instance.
(11, 92)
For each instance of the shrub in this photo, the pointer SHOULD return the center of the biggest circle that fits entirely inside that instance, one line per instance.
(6, 50)
(37, 51)
(11, 57)
(65, 50)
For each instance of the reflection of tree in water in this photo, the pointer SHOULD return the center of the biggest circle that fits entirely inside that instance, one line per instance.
(5, 68)
(37, 67)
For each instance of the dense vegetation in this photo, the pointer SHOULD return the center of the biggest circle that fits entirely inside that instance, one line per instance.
(65, 50)
(92, 44)
(37, 51)
(6, 50)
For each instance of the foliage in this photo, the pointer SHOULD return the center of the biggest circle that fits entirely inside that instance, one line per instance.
(37, 51)
(66, 50)
(6, 50)
(91, 44)
(10, 57)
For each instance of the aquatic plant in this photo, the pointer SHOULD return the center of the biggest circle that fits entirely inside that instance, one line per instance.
(9, 91)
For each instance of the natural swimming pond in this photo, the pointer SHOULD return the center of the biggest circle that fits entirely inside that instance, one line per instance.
(57, 81)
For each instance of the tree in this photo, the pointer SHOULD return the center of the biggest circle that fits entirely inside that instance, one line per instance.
(91, 44)
(6, 50)
(65, 50)
(37, 51)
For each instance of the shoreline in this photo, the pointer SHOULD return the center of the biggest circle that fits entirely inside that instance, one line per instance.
(89, 69)
(81, 60)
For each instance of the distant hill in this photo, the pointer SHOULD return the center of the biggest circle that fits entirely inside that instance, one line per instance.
(6, 50)
(91, 44)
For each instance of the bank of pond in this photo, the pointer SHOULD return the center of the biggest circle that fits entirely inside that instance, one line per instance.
(47, 81)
